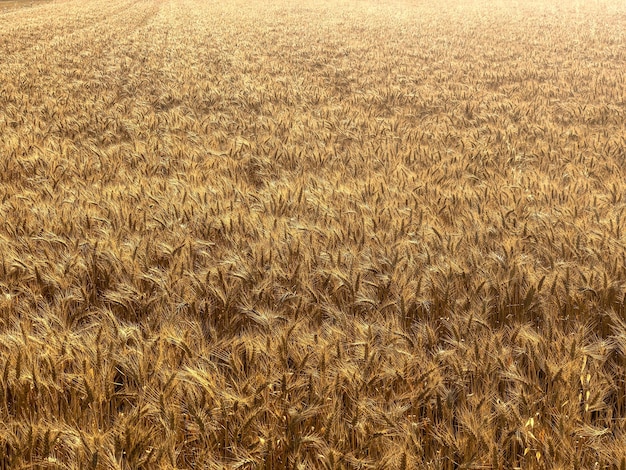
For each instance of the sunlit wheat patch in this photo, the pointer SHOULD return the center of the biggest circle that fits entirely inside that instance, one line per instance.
(381, 235)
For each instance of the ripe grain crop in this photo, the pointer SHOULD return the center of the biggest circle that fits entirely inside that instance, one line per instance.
(339, 234)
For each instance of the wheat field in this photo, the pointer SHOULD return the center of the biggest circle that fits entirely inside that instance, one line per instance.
(347, 234)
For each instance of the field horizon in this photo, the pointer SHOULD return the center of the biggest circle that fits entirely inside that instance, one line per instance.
(342, 234)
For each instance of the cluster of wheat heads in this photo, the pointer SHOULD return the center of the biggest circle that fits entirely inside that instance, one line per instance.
(364, 234)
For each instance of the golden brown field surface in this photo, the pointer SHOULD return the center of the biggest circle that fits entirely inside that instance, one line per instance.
(8, 5)
(339, 234)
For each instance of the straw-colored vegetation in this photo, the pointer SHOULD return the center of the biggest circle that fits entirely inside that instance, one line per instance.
(8, 5)
(330, 234)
